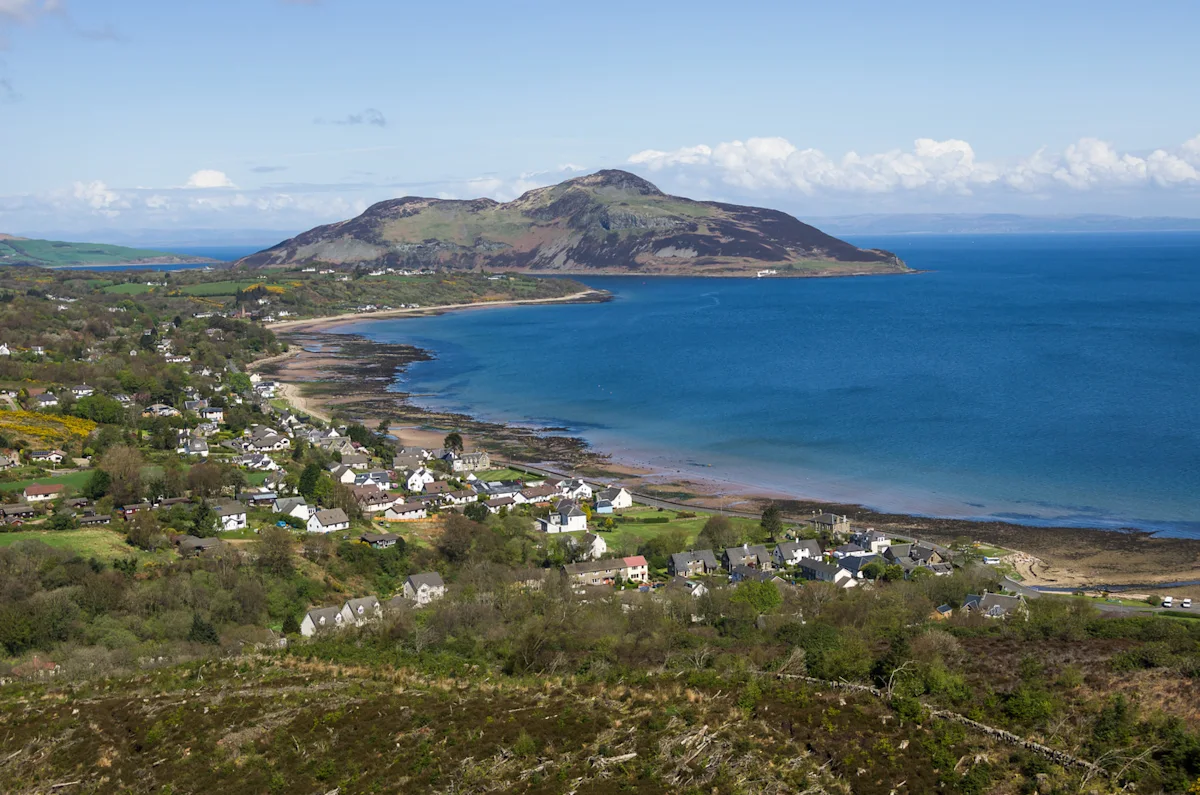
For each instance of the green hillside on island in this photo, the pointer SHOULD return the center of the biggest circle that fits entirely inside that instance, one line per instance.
(608, 222)
(62, 254)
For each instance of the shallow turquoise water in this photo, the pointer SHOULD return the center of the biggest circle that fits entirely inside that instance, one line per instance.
(1044, 378)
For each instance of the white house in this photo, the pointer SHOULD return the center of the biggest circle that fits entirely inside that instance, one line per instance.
(357, 612)
(232, 516)
(575, 489)
(404, 512)
(618, 497)
(790, 553)
(212, 414)
(419, 479)
(567, 517)
(196, 447)
(293, 506)
(83, 390)
(329, 521)
(321, 618)
(424, 588)
(590, 546)
(342, 474)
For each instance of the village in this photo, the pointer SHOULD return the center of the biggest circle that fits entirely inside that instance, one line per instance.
(382, 487)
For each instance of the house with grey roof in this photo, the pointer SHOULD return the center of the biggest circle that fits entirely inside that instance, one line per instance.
(357, 612)
(756, 556)
(293, 506)
(994, 605)
(690, 564)
(232, 516)
(567, 517)
(424, 588)
(790, 553)
(329, 521)
(321, 619)
(831, 523)
(820, 571)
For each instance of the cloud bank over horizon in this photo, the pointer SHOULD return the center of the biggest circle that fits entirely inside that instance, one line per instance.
(931, 176)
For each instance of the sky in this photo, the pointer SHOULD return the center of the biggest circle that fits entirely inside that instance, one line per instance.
(124, 115)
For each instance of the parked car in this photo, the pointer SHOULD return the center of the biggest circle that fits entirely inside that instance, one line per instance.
(1168, 601)
(1185, 604)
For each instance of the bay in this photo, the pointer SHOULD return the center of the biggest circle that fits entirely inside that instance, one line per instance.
(1042, 378)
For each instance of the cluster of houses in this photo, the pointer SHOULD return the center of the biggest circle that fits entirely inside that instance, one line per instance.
(419, 590)
(39, 497)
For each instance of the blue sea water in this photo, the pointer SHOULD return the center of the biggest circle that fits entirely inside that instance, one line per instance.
(1049, 379)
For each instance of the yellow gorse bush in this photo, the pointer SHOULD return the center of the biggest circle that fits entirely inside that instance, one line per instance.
(45, 426)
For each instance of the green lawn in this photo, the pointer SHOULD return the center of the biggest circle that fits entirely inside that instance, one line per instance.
(72, 480)
(504, 474)
(93, 542)
(256, 478)
(133, 288)
(629, 534)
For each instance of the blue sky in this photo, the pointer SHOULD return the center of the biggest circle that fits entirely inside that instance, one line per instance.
(268, 114)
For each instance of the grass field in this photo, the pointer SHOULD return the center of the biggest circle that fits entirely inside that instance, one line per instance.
(57, 252)
(628, 535)
(132, 288)
(230, 287)
(90, 543)
(493, 475)
(72, 480)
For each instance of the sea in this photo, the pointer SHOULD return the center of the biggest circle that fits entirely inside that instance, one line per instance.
(1045, 379)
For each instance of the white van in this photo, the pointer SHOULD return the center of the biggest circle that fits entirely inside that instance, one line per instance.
(1168, 601)
(1186, 604)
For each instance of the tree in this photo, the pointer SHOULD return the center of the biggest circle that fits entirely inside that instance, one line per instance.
(772, 520)
(763, 597)
(97, 484)
(308, 480)
(240, 382)
(476, 512)
(453, 442)
(174, 478)
(719, 533)
(202, 631)
(142, 531)
(61, 521)
(275, 551)
(204, 520)
(457, 536)
(123, 464)
(204, 479)
(290, 625)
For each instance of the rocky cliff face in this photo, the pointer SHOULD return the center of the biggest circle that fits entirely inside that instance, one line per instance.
(607, 222)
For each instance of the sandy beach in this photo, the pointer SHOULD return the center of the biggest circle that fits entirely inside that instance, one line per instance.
(321, 323)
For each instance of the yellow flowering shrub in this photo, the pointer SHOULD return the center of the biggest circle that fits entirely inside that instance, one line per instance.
(45, 426)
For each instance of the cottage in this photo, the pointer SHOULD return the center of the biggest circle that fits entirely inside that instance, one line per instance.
(356, 460)
(424, 588)
(194, 447)
(405, 512)
(497, 504)
(42, 493)
(54, 457)
(589, 546)
(790, 553)
(537, 495)
(46, 401)
(292, 506)
(872, 540)
(379, 540)
(691, 587)
(377, 477)
(232, 516)
(994, 605)
(357, 612)
(83, 390)
(94, 520)
(212, 414)
(259, 462)
(851, 551)
(160, 410)
(618, 498)
(567, 517)
(322, 618)
(466, 462)
(16, 511)
(690, 564)
(329, 521)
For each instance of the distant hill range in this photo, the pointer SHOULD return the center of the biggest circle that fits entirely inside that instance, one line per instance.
(609, 222)
(999, 223)
(59, 254)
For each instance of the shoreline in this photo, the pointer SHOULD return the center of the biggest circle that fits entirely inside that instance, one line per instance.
(325, 321)
(353, 376)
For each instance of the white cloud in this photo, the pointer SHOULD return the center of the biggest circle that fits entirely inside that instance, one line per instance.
(950, 167)
(209, 178)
